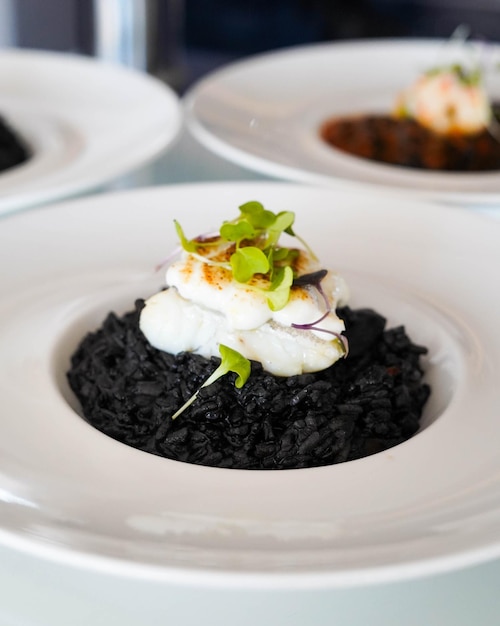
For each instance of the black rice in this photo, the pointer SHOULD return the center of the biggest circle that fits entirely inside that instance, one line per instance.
(364, 404)
(13, 151)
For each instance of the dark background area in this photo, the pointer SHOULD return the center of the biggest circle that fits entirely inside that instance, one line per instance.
(221, 30)
(192, 37)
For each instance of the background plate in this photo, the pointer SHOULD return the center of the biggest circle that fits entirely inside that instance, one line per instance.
(264, 113)
(70, 493)
(86, 121)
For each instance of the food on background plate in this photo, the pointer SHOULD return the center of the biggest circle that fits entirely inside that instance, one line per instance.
(250, 358)
(448, 101)
(13, 150)
(443, 121)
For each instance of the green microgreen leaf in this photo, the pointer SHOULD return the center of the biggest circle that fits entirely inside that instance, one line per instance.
(257, 215)
(238, 231)
(280, 254)
(188, 244)
(279, 258)
(279, 292)
(285, 256)
(283, 221)
(251, 208)
(246, 262)
(231, 361)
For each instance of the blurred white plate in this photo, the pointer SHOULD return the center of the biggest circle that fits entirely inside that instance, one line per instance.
(87, 122)
(70, 493)
(264, 113)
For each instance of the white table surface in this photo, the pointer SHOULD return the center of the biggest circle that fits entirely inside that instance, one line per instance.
(35, 592)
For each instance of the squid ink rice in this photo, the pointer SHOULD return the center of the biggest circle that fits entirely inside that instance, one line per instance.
(366, 403)
(12, 150)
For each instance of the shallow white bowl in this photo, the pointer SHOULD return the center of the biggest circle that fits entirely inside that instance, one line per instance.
(70, 493)
(86, 122)
(265, 113)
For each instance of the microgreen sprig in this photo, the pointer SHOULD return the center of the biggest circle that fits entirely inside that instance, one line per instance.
(315, 279)
(231, 361)
(254, 235)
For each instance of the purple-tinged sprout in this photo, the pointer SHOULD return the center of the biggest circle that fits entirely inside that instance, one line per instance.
(314, 279)
(201, 239)
(167, 260)
(312, 326)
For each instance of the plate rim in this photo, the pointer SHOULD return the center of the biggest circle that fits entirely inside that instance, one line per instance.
(239, 579)
(293, 173)
(42, 187)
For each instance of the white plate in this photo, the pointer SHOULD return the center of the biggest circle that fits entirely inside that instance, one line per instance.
(70, 493)
(264, 113)
(86, 121)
